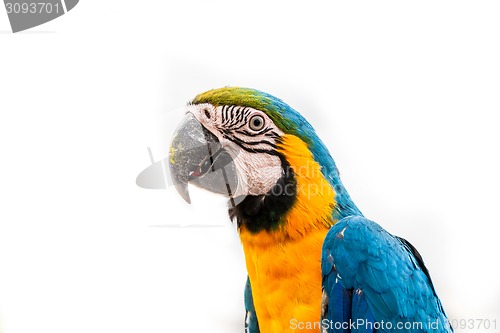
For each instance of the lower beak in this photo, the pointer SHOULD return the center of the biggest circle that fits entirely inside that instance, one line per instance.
(196, 156)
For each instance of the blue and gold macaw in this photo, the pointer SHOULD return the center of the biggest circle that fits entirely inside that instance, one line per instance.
(315, 263)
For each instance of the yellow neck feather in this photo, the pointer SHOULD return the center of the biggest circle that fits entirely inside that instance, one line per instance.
(315, 197)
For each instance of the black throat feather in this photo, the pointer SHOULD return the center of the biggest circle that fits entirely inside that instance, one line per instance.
(267, 212)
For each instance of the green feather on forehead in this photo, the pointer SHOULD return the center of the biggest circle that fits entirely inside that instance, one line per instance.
(275, 108)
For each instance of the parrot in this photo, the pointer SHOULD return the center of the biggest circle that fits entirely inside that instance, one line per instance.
(314, 262)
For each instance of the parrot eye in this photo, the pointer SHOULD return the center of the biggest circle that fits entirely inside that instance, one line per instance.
(256, 123)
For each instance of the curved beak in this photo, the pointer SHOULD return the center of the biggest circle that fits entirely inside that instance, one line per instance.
(196, 156)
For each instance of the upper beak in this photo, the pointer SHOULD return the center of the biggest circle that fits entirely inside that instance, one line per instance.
(197, 156)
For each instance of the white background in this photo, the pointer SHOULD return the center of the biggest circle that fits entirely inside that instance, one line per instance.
(406, 95)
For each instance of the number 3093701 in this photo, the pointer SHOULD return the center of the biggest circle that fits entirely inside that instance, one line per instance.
(32, 8)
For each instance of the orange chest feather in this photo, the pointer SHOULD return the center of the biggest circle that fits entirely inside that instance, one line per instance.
(286, 281)
(284, 265)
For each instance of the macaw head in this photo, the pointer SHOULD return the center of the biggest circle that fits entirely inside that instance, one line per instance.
(257, 150)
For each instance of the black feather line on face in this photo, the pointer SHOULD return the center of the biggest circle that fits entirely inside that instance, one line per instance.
(267, 212)
(238, 127)
(232, 118)
(244, 145)
(247, 113)
(225, 117)
(264, 131)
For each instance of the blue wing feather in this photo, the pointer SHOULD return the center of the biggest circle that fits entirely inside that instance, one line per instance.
(251, 323)
(386, 277)
(362, 315)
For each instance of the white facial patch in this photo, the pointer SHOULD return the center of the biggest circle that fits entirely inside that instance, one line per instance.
(249, 136)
